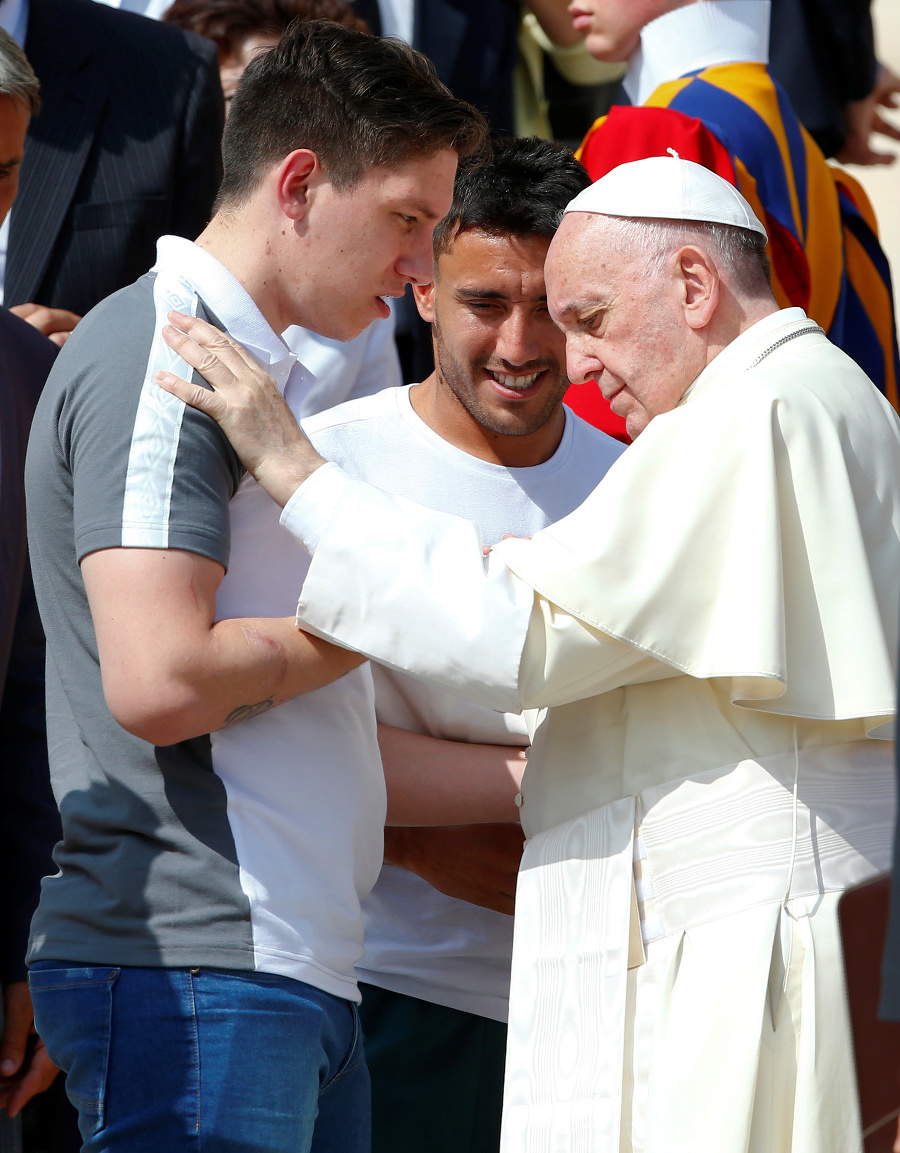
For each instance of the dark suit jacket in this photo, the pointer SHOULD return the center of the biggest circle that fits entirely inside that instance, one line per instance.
(822, 52)
(472, 44)
(29, 824)
(126, 147)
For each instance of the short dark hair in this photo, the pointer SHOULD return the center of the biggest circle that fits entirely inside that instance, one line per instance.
(357, 101)
(520, 188)
(229, 22)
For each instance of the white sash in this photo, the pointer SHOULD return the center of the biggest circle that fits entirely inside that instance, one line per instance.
(708, 846)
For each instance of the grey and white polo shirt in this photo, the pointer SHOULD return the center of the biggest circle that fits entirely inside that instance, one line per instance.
(253, 848)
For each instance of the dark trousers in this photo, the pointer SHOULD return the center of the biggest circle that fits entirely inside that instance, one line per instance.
(437, 1075)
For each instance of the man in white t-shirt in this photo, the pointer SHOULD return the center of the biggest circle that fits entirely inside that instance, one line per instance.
(486, 437)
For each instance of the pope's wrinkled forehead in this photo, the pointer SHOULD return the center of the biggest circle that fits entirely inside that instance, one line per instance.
(582, 261)
(580, 230)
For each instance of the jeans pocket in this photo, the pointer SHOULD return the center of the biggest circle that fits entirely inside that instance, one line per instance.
(354, 1053)
(73, 1015)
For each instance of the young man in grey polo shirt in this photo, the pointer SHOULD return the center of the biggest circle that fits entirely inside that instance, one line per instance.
(192, 962)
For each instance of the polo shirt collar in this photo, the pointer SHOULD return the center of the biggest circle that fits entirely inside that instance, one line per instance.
(698, 36)
(231, 304)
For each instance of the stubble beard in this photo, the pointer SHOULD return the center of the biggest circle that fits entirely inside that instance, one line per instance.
(460, 380)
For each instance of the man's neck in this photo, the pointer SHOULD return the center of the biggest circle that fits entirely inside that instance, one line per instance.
(439, 408)
(733, 320)
(244, 249)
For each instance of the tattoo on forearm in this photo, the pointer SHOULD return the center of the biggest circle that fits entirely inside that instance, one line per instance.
(245, 712)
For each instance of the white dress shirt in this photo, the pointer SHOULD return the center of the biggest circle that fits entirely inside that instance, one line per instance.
(155, 9)
(397, 18)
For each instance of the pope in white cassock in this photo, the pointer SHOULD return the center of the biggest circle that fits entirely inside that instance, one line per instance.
(709, 645)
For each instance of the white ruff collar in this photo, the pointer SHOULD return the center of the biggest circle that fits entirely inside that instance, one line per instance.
(698, 36)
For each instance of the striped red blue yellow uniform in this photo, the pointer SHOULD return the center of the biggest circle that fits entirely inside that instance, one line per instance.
(823, 239)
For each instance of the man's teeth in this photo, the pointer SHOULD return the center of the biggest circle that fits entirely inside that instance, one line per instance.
(518, 382)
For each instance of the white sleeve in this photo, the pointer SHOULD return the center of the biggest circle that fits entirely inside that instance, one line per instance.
(411, 589)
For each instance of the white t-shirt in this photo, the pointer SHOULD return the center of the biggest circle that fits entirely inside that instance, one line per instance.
(418, 941)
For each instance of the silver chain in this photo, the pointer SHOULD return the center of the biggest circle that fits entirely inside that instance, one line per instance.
(783, 340)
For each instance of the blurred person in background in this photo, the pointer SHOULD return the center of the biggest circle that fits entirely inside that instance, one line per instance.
(240, 29)
(698, 72)
(29, 823)
(822, 52)
(125, 148)
(565, 51)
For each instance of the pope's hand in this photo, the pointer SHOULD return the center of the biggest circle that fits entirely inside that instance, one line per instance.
(245, 401)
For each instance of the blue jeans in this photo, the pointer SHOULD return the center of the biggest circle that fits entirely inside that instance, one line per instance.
(204, 1060)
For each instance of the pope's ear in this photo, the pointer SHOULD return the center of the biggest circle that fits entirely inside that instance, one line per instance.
(293, 179)
(700, 286)
(424, 297)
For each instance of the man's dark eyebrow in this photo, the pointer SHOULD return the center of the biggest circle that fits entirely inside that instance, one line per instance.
(13, 162)
(487, 294)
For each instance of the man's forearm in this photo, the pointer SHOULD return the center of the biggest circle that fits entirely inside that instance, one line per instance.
(249, 666)
(170, 671)
(474, 863)
(438, 782)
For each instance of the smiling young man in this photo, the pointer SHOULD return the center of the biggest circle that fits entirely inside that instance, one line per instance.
(486, 437)
(207, 902)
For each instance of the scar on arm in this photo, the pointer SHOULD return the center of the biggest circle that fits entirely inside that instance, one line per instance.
(276, 658)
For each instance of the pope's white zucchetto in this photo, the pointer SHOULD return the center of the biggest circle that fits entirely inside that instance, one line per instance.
(667, 188)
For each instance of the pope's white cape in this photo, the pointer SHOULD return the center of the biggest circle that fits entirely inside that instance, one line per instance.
(752, 536)
(714, 633)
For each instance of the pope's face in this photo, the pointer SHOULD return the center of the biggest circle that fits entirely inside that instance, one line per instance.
(612, 28)
(366, 242)
(624, 327)
(496, 347)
